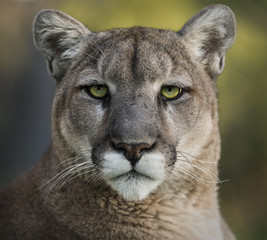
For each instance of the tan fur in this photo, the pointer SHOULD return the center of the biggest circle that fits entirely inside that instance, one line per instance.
(131, 165)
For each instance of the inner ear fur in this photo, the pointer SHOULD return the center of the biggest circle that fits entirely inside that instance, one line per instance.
(208, 35)
(59, 37)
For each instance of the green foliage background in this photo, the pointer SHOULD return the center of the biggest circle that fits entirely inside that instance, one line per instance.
(242, 88)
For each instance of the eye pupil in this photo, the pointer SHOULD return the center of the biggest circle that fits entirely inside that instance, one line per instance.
(97, 91)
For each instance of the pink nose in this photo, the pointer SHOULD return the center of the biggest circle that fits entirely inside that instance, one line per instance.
(133, 152)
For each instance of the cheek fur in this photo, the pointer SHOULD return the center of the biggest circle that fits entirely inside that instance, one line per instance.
(86, 116)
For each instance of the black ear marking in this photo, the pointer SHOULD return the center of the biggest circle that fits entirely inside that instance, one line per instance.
(50, 66)
(221, 64)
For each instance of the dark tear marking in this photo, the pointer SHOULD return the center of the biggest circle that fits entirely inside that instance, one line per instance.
(173, 156)
(97, 149)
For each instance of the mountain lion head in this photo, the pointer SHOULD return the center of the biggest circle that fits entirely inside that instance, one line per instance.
(135, 109)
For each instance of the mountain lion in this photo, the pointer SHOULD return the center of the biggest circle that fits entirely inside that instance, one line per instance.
(135, 134)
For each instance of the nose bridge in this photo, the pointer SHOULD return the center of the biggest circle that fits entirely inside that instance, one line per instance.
(133, 121)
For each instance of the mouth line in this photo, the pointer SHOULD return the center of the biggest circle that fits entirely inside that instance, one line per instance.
(133, 174)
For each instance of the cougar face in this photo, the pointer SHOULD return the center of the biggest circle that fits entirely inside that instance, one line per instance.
(134, 107)
(131, 132)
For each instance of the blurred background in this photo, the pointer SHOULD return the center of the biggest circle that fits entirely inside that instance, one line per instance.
(26, 92)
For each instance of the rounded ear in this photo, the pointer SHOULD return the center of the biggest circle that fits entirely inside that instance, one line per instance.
(209, 35)
(59, 37)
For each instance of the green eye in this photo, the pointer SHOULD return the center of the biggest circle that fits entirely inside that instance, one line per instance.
(98, 91)
(171, 92)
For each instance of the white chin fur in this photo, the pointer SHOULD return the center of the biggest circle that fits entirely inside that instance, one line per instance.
(149, 173)
(134, 188)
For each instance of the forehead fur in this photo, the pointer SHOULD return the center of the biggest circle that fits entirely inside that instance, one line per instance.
(136, 54)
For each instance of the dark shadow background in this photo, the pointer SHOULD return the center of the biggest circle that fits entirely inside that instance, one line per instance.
(26, 93)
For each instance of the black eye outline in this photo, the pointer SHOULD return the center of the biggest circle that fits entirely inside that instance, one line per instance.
(179, 93)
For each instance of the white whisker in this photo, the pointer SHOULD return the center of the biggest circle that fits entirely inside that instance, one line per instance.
(76, 158)
(184, 170)
(208, 173)
(192, 158)
(73, 170)
(180, 176)
(76, 174)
